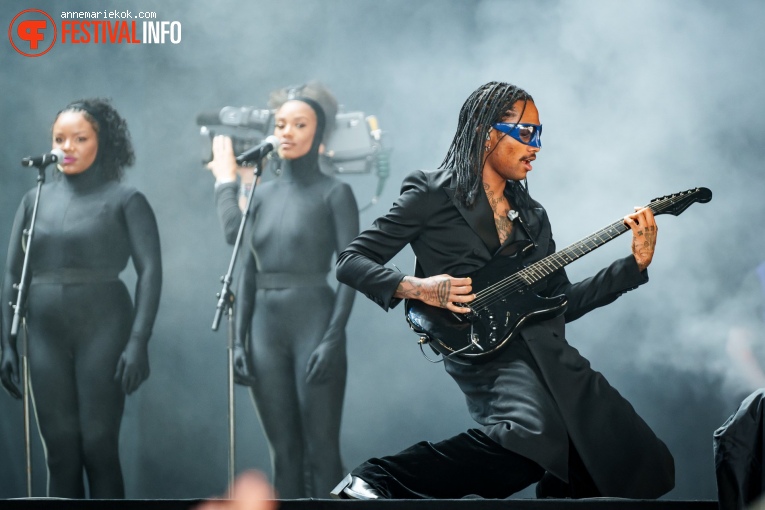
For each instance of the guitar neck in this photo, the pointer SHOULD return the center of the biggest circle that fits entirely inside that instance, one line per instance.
(543, 268)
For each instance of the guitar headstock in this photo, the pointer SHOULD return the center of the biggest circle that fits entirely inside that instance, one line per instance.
(676, 203)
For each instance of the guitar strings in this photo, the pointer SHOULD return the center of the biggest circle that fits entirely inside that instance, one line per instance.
(547, 265)
(519, 279)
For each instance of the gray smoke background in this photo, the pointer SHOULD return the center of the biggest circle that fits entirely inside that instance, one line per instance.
(638, 98)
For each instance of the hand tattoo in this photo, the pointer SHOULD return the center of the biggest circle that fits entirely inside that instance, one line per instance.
(643, 251)
(442, 292)
(430, 292)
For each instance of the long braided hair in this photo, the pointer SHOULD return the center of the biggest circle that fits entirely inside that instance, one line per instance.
(487, 105)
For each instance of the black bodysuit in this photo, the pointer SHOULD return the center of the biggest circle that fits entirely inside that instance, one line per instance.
(80, 318)
(297, 223)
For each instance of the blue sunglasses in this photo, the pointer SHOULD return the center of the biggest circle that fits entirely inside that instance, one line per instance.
(527, 134)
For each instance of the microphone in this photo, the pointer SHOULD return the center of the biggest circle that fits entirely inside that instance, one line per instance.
(53, 156)
(513, 215)
(259, 151)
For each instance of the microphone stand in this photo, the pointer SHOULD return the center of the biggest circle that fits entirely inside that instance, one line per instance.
(19, 317)
(225, 305)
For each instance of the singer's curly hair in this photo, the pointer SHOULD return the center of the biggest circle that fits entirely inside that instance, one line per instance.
(115, 149)
(487, 105)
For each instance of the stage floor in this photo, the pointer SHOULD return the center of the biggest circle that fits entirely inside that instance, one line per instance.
(329, 504)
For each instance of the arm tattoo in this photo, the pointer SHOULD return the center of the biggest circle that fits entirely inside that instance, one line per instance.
(409, 289)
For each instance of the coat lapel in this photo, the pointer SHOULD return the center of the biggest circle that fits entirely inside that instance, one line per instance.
(524, 231)
(480, 218)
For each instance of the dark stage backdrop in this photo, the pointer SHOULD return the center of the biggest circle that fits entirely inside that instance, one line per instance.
(638, 99)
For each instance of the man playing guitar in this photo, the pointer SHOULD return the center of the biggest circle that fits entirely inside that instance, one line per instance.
(545, 416)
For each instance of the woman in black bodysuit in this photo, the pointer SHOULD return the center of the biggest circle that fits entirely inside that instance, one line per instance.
(87, 340)
(297, 355)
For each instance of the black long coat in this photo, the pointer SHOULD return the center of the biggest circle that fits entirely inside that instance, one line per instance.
(540, 393)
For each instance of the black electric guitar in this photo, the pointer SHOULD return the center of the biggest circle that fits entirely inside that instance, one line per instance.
(504, 303)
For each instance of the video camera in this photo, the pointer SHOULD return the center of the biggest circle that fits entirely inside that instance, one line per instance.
(355, 146)
(246, 126)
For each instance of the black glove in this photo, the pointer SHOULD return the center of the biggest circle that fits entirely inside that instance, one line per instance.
(9, 372)
(243, 373)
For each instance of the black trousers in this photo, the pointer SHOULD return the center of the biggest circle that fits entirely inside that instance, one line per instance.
(469, 464)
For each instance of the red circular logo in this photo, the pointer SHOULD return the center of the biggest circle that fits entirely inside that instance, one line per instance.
(30, 30)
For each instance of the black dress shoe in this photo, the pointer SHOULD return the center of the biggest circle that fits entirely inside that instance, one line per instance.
(353, 487)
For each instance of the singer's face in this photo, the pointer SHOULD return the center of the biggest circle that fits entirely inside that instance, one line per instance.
(507, 158)
(74, 134)
(295, 127)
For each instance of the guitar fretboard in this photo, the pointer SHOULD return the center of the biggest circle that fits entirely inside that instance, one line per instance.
(548, 265)
(673, 204)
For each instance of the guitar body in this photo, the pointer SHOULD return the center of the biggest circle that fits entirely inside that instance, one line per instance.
(481, 334)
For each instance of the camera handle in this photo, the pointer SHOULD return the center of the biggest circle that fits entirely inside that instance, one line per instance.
(226, 300)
